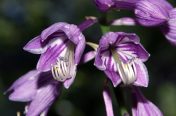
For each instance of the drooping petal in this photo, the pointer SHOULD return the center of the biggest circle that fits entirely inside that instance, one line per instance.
(142, 106)
(142, 78)
(108, 102)
(114, 77)
(44, 99)
(35, 46)
(50, 57)
(25, 92)
(69, 82)
(151, 13)
(31, 75)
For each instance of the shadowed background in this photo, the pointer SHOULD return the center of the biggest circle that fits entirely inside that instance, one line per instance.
(21, 20)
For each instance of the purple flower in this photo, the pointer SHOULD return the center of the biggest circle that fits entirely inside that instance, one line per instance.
(120, 55)
(142, 106)
(157, 13)
(105, 5)
(61, 46)
(38, 89)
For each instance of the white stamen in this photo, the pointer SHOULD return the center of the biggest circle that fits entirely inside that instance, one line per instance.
(127, 70)
(64, 67)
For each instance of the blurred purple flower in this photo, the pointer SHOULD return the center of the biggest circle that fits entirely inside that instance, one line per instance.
(38, 89)
(105, 5)
(61, 46)
(157, 13)
(120, 55)
(142, 106)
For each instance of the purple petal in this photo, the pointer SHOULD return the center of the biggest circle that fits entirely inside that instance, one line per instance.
(69, 82)
(104, 5)
(127, 21)
(98, 62)
(50, 30)
(142, 106)
(71, 32)
(87, 23)
(88, 56)
(135, 50)
(125, 4)
(43, 100)
(25, 92)
(151, 13)
(141, 74)
(108, 102)
(116, 38)
(50, 56)
(163, 3)
(34, 46)
(31, 75)
(79, 49)
(114, 77)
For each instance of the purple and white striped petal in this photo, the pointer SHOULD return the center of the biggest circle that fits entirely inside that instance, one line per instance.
(50, 56)
(142, 106)
(121, 56)
(108, 102)
(44, 98)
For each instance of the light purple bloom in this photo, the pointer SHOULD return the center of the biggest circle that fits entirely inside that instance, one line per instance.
(142, 106)
(38, 89)
(61, 46)
(157, 13)
(120, 55)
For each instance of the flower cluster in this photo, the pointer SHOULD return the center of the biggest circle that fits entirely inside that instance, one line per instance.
(119, 55)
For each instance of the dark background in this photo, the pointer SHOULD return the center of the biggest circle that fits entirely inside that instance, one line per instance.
(21, 20)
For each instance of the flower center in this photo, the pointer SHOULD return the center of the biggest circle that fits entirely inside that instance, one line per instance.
(127, 71)
(65, 67)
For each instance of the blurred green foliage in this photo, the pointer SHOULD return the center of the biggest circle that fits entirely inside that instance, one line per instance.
(21, 20)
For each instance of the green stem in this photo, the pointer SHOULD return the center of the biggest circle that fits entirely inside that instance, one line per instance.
(104, 23)
(121, 100)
